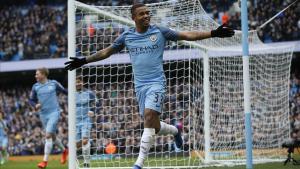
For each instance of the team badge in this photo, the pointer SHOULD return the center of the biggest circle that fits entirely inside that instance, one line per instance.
(153, 38)
(50, 87)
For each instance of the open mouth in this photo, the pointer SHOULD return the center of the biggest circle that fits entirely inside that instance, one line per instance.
(147, 21)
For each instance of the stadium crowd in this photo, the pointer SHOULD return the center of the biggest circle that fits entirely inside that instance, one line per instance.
(295, 106)
(40, 31)
(262, 10)
(33, 32)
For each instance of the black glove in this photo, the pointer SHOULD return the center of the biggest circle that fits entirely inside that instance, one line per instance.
(222, 32)
(75, 63)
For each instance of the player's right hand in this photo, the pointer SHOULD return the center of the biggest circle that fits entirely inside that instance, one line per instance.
(75, 63)
(37, 107)
(90, 113)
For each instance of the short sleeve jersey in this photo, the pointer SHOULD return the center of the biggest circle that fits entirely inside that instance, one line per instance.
(46, 95)
(83, 103)
(3, 126)
(146, 52)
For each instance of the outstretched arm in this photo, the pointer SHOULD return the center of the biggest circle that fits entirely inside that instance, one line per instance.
(221, 32)
(193, 35)
(100, 55)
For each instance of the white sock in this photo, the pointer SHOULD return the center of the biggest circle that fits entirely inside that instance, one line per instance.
(146, 143)
(48, 148)
(166, 129)
(86, 151)
(59, 144)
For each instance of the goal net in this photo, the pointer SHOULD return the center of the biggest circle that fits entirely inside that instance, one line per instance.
(204, 92)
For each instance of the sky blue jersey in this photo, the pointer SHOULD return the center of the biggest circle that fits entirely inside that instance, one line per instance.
(3, 128)
(84, 100)
(46, 95)
(146, 52)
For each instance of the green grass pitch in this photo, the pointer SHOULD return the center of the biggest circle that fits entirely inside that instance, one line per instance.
(54, 164)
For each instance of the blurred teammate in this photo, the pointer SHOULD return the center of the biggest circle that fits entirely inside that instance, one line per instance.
(44, 99)
(85, 106)
(3, 140)
(146, 43)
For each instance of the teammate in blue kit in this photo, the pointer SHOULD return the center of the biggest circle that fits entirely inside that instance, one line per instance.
(44, 99)
(3, 139)
(146, 43)
(85, 109)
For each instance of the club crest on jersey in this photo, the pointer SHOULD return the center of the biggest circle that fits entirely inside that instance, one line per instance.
(153, 38)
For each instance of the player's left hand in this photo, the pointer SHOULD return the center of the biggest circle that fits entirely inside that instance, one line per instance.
(222, 32)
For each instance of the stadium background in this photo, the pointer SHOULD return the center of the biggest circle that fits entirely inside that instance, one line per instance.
(37, 29)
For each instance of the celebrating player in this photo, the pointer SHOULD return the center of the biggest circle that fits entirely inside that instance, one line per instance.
(85, 100)
(3, 139)
(146, 43)
(44, 99)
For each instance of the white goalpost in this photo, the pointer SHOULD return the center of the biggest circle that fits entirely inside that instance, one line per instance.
(71, 86)
(205, 94)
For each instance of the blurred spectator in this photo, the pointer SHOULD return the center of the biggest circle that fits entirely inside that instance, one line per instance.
(225, 18)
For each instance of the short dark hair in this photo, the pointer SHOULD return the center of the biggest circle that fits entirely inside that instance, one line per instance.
(79, 78)
(134, 6)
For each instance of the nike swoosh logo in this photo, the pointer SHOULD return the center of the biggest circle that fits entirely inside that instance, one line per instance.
(145, 142)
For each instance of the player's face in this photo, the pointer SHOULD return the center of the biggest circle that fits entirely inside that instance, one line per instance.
(142, 16)
(39, 76)
(79, 84)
